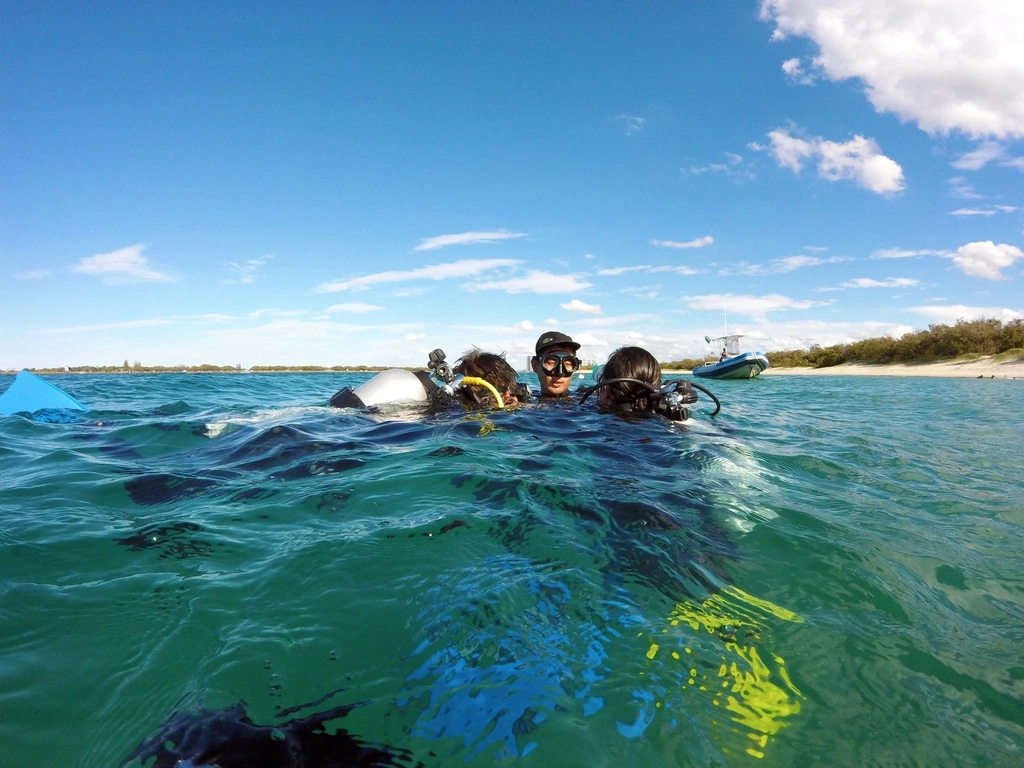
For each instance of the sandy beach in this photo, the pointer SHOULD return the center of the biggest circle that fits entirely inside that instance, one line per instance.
(986, 367)
(983, 367)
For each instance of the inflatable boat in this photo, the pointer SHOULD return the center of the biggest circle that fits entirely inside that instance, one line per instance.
(733, 364)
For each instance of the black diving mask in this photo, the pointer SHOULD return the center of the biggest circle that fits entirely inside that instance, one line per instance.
(559, 364)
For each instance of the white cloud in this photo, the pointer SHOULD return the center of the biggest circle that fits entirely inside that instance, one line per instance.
(735, 168)
(700, 242)
(859, 160)
(791, 263)
(355, 307)
(947, 65)
(899, 331)
(751, 306)
(984, 211)
(464, 268)
(612, 321)
(33, 274)
(781, 266)
(792, 331)
(633, 124)
(578, 306)
(902, 253)
(536, 281)
(678, 270)
(950, 314)
(988, 152)
(790, 151)
(986, 259)
(712, 167)
(961, 189)
(795, 71)
(246, 272)
(526, 325)
(124, 265)
(298, 342)
(615, 271)
(972, 212)
(892, 282)
(643, 291)
(258, 313)
(466, 238)
(102, 327)
(979, 158)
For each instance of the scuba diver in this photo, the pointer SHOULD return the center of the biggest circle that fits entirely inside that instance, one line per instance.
(478, 380)
(630, 383)
(492, 369)
(555, 363)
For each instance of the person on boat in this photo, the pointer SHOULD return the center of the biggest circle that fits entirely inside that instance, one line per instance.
(496, 371)
(723, 356)
(555, 362)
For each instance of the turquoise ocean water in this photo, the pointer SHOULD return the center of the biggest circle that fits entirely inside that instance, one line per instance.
(830, 572)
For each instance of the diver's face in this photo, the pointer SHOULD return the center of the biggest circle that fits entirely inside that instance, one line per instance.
(557, 381)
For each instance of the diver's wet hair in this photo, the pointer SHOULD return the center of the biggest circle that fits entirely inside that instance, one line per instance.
(643, 376)
(490, 367)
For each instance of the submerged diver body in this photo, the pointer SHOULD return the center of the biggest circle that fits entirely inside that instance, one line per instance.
(228, 738)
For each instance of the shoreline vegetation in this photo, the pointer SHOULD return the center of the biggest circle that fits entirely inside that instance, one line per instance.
(938, 344)
(975, 349)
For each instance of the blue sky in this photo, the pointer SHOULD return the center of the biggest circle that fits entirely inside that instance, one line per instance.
(358, 183)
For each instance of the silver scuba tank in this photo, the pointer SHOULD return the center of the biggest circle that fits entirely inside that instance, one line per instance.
(390, 386)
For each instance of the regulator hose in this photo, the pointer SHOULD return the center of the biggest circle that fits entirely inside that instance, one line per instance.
(709, 393)
(588, 391)
(486, 385)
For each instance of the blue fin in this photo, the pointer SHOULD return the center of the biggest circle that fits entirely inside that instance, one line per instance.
(29, 394)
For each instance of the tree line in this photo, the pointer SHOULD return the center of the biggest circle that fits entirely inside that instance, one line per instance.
(939, 342)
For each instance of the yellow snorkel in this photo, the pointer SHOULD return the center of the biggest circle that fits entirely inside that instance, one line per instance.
(486, 385)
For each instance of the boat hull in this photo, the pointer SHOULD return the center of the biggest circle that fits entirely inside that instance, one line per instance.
(744, 366)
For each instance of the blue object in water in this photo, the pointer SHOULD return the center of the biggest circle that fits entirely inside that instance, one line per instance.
(746, 365)
(29, 394)
(733, 364)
